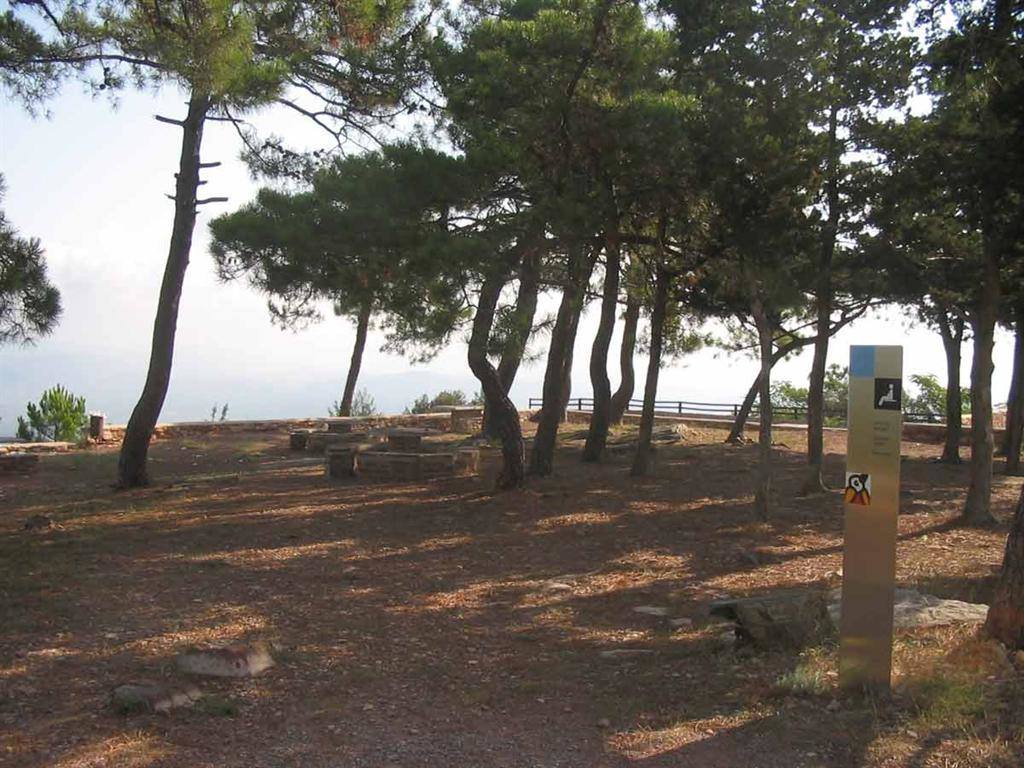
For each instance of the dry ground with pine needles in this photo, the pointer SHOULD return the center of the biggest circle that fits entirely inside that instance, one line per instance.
(442, 625)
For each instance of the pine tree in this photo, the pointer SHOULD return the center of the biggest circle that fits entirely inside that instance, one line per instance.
(228, 58)
(29, 303)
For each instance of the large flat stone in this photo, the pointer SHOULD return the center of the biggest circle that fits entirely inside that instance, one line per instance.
(916, 609)
(232, 661)
(780, 619)
(152, 697)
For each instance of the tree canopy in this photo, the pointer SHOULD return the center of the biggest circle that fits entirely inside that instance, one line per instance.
(29, 303)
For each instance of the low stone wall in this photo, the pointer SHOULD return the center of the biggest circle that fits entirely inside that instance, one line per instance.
(438, 421)
(12, 463)
(912, 432)
(51, 447)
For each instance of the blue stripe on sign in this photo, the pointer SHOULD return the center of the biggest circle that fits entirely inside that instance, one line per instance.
(862, 361)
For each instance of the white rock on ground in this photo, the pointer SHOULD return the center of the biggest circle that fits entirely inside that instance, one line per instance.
(915, 609)
(651, 610)
(233, 661)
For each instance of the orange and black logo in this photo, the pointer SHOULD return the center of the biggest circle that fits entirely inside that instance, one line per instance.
(858, 489)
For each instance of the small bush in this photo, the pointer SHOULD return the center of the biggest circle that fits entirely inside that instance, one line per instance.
(59, 416)
(447, 398)
(363, 405)
(805, 680)
(947, 702)
(217, 706)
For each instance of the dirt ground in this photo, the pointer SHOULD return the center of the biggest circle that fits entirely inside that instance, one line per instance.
(442, 625)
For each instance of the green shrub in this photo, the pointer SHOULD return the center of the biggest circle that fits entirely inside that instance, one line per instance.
(363, 405)
(947, 701)
(60, 416)
(805, 680)
(835, 389)
(444, 399)
(930, 399)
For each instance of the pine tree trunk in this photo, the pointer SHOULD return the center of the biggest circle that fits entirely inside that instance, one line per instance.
(132, 469)
(740, 420)
(559, 363)
(1006, 613)
(978, 507)
(362, 327)
(642, 459)
(813, 481)
(622, 396)
(563, 415)
(739, 423)
(1014, 434)
(504, 415)
(526, 308)
(952, 333)
(515, 348)
(763, 492)
(600, 418)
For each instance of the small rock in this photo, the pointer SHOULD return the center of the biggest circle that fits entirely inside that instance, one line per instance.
(624, 653)
(682, 623)
(833, 706)
(38, 523)
(350, 572)
(604, 722)
(233, 661)
(1018, 657)
(651, 610)
(912, 734)
(558, 586)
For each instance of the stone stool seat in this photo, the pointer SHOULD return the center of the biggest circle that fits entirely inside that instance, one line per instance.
(343, 424)
(467, 419)
(405, 440)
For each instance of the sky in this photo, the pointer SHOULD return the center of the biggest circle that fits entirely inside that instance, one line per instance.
(89, 181)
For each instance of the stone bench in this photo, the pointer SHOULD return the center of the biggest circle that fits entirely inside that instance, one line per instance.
(400, 466)
(320, 440)
(340, 461)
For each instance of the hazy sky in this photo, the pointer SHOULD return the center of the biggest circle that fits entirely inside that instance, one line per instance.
(89, 181)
